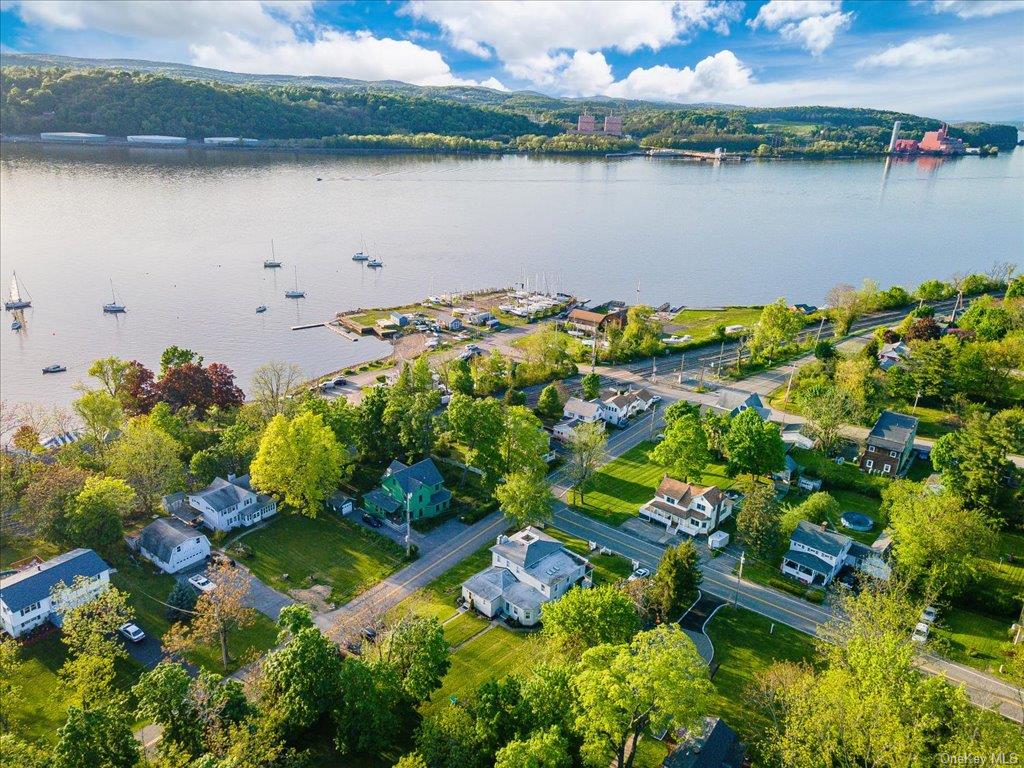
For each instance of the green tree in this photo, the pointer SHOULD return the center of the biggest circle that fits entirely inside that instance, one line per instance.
(938, 544)
(460, 377)
(550, 402)
(642, 334)
(497, 707)
(10, 669)
(684, 451)
(411, 760)
(974, 461)
(300, 460)
(372, 711)
(272, 383)
(586, 450)
(448, 739)
(584, 618)
(543, 749)
(591, 384)
(418, 652)
(817, 508)
(376, 441)
(477, 425)
(299, 681)
(754, 445)
(97, 516)
(175, 356)
(776, 328)
(148, 459)
(523, 442)
(526, 499)
(181, 601)
(163, 696)
(96, 738)
(101, 415)
(758, 523)
(827, 410)
(110, 371)
(48, 499)
(656, 682)
(674, 586)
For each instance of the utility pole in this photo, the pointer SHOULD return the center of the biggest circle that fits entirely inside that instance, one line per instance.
(654, 418)
(739, 578)
(789, 386)
(916, 398)
(654, 369)
(700, 383)
(721, 354)
(408, 532)
(821, 325)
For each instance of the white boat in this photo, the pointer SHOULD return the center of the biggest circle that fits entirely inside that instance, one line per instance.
(261, 309)
(360, 256)
(272, 262)
(16, 300)
(375, 263)
(296, 292)
(55, 368)
(113, 307)
(16, 325)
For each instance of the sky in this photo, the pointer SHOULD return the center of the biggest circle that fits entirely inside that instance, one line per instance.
(951, 59)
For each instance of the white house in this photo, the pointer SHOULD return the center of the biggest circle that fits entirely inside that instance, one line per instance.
(527, 570)
(615, 406)
(172, 545)
(732, 401)
(892, 354)
(687, 508)
(815, 554)
(26, 597)
(577, 412)
(227, 504)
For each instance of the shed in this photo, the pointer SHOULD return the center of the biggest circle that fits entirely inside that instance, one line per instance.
(718, 540)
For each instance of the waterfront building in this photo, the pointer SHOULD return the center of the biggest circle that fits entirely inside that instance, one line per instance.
(154, 139)
(586, 123)
(613, 125)
(75, 137)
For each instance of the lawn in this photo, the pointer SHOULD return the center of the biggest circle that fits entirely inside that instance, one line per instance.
(745, 646)
(16, 548)
(973, 639)
(849, 501)
(701, 323)
(294, 551)
(608, 569)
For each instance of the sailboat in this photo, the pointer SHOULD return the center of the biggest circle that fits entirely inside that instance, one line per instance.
(375, 263)
(16, 300)
(272, 262)
(295, 293)
(361, 255)
(112, 307)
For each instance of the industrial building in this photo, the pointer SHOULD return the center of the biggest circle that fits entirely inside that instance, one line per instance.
(164, 140)
(587, 125)
(73, 136)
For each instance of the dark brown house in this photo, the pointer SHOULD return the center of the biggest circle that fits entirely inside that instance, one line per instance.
(890, 444)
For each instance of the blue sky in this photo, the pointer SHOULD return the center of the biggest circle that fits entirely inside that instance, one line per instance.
(953, 59)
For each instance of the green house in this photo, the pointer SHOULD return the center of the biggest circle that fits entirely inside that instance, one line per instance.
(417, 490)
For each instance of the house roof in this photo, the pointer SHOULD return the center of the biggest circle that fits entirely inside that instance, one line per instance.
(586, 316)
(524, 596)
(736, 399)
(160, 537)
(526, 548)
(717, 747)
(807, 560)
(381, 499)
(410, 478)
(643, 394)
(686, 492)
(893, 430)
(490, 584)
(815, 537)
(678, 511)
(580, 407)
(222, 494)
(34, 584)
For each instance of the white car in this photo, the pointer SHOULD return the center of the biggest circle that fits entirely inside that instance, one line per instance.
(929, 615)
(639, 573)
(201, 583)
(131, 632)
(920, 633)
(655, 398)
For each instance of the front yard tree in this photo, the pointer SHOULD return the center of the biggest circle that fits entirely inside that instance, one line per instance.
(299, 681)
(525, 498)
(827, 409)
(674, 586)
(586, 449)
(684, 451)
(550, 402)
(448, 739)
(149, 460)
(218, 613)
(372, 710)
(96, 737)
(478, 426)
(542, 749)
(271, 384)
(97, 514)
(523, 442)
(777, 327)
(163, 697)
(100, 414)
(974, 460)
(938, 543)
(656, 682)
(758, 523)
(584, 618)
(754, 445)
(418, 652)
(591, 385)
(300, 460)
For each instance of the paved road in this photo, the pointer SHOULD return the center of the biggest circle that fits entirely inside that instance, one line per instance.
(394, 589)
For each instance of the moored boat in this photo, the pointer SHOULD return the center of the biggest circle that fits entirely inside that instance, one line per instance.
(55, 368)
(18, 298)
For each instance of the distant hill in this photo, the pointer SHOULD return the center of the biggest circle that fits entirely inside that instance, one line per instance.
(43, 92)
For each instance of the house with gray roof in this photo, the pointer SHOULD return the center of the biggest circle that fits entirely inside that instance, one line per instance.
(816, 554)
(713, 745)
(27, 598)
(732, 401)
(528, 569)
(172, 545)
(416, 491)
(226, 504)
(889, 447)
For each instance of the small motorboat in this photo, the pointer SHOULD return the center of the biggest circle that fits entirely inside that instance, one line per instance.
(16, 325)
(272, 262)
(319, 179)
(55, 368)
(261, 309)
(375, 263)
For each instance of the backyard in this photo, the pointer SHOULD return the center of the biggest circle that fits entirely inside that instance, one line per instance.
(297, 552)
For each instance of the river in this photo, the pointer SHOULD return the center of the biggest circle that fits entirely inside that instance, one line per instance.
(183, 234)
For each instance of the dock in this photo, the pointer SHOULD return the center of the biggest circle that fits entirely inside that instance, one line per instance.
(331, 325)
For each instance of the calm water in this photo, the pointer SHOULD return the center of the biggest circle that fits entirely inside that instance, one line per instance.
(183, 235)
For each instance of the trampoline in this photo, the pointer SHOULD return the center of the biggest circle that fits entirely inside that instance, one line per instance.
(855, 521)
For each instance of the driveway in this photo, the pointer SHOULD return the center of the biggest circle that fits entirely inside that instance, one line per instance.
(263, 598)
(148, 653)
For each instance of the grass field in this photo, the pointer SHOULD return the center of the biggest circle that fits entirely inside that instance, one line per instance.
(701, 323)
(617, 492)
(333, 551)
(849, 501)
(973, 639)
(608, 569)
(745, 646)
(14, 548)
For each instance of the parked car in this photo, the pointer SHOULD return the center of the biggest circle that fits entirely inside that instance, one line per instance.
(655, 398)
(201, 583)
(354, 648)
(326, 386)
(372, 520)
(929, 615)
(369, 633)
(640, 573)
(920, 633)
(131, 632)
(340, 381)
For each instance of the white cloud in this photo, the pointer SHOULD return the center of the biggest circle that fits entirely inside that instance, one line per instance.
(333, 53)
(813, 24)
(969, 9)
(587, 74)
(924, 52)
(712, 79)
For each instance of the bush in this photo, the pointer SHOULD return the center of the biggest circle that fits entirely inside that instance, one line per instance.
(846, 476)
(180, 601)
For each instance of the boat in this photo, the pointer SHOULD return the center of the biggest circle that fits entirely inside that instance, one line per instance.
(361, 255)
(16, 325)
(55, 368)
(16, 300)
(375, 263)
(261, 309)
(296, 292)
(112, 307)
(272, 262)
